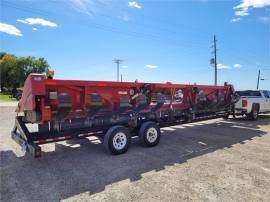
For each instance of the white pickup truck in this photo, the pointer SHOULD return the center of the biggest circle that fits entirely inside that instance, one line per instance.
(252, 102)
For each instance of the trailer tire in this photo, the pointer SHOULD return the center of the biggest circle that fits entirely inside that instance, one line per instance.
(149, 134)
(117, 140)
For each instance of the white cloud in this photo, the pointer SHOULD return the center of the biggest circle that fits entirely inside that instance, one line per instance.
(37, 21)
(22, 21)
(151, 66)
(222, 66)
(83, 6)
(264, 19)
(125, 18)
(247, 4)
(134, 4)
(237, 65)
(9, 29)
(124, 66)
(243, 8)
(35, 29)
(242, 13)
(235, 19)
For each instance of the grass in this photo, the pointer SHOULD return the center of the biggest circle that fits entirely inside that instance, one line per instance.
(6, 98)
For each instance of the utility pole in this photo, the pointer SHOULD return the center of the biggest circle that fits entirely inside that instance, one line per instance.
(117, 61)
(258, 80)
(0, 79)
(121, 77)
(215, 58)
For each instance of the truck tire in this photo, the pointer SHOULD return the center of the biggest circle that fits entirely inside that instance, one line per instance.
(149, 134)
(253, 115)
(117, 140)
(226, 117)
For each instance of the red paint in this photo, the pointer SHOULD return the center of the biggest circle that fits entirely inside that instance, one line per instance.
(37, 87)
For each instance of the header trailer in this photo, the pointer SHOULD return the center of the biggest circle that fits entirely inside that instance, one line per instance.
(113, 111)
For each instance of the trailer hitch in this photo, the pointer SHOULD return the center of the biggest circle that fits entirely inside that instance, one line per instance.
(20, 135)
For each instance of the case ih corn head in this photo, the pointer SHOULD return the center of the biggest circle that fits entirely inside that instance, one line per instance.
(113, 111)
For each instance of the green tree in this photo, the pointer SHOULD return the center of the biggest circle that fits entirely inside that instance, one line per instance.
(2, 54)
(14, 70)
(8, 67)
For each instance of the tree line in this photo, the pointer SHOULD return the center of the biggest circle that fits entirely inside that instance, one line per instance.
(14, 70)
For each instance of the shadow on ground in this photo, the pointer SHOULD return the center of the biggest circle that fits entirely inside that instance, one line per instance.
(71, 170)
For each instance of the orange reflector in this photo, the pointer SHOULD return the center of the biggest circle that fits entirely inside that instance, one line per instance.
(50, 82)
(101, 84)
(50, 74)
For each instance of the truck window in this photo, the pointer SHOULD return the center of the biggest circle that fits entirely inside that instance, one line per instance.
(266, 94)
(251, 93)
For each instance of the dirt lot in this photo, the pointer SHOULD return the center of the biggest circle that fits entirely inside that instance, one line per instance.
(212, 160)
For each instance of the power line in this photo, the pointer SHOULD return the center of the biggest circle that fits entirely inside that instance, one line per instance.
(146, 36)
(153, 37)
(173, 32)
(111, 29)
(25, 8)
(197, 29)
(248, 60)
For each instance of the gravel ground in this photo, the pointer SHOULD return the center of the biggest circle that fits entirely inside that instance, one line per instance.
(211, 160)
(8, 104)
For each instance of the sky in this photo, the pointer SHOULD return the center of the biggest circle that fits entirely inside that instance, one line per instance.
(158, 40)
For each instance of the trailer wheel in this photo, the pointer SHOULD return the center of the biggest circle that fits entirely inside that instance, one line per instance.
(117, 140)
(149, 134)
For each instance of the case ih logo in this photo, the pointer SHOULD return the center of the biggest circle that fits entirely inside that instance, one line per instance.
(122, 92)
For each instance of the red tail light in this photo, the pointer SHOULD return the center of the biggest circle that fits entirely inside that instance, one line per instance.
(244, 103)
